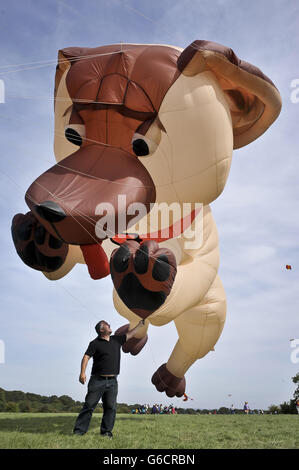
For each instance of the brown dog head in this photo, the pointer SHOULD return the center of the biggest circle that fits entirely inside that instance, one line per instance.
(116, 103)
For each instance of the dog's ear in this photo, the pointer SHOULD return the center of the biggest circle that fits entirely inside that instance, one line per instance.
(253, 99)
(65, 113)
(65, 59)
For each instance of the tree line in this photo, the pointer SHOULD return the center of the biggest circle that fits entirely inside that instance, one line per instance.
(17, 401)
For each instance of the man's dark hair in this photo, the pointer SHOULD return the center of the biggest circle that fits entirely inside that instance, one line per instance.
(98, 326)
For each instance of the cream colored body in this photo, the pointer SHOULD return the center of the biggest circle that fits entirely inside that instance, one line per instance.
(193, 140)
(197, 148)
(196, 303)
(182, 173)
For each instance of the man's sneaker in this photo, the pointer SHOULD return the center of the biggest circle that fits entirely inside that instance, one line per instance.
(107, 434)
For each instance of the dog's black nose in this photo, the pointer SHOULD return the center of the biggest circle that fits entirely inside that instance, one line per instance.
(50, 211)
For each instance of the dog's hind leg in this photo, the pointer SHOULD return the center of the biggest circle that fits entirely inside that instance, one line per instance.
(199, 329)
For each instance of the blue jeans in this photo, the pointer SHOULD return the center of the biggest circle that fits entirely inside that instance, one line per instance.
(98, 387)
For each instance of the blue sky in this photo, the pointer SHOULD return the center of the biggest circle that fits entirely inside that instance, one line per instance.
(45, 325)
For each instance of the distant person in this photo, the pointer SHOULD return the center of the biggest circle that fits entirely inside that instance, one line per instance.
(105, 351)
(297, 406)
(246, 407)
(232, 410)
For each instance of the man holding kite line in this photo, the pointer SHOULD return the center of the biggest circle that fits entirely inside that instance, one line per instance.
(105, 351)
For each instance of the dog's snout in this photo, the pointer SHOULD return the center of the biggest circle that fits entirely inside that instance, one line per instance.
(50, 211)
(87, 184)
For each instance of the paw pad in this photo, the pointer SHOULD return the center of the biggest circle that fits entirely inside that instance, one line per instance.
(143, 275)
(36, 247)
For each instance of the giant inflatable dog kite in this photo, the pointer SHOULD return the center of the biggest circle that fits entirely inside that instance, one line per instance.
(137, 126)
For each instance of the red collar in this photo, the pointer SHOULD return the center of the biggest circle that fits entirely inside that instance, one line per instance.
(96, 258)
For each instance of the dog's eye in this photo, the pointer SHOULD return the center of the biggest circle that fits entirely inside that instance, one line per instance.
(143, 146)
(75, 133)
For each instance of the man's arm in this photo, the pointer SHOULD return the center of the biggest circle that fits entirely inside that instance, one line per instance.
(84, 362)
(132, 332)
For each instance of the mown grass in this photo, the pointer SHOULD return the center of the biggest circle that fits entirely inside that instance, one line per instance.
(54, 431)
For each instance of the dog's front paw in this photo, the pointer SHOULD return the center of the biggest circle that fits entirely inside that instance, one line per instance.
(143, 275)
(165, 381)
(133, 345)
(36, 247)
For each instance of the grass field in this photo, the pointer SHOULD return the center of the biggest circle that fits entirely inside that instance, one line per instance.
(54, 431)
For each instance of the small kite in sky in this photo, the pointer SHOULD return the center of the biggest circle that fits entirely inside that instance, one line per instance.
(186, 398)
(288, 266)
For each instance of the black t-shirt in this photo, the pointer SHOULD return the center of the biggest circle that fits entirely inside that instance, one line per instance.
(106, 354)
